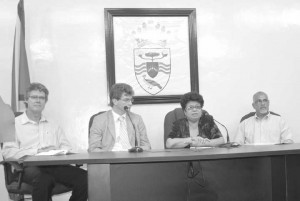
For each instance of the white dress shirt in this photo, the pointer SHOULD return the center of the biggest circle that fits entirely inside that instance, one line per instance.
(31, 136)
(271, 129)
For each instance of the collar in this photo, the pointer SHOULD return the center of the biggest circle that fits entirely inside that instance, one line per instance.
(116, 116)
(25, 119)
(265, 117)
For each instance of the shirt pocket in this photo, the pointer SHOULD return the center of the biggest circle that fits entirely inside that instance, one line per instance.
(49, 137)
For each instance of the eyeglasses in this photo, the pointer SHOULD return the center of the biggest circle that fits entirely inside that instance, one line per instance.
(192, 107)
(259, 101)
(127, 100)
(42, 98)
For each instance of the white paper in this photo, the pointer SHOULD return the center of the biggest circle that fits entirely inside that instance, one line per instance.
(260, 144)
(56, 152)
(200, 147)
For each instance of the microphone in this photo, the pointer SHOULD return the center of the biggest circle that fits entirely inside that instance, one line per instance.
(228, 144)
(136, 148)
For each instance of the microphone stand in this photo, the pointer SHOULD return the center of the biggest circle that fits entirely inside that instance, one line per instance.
(136, 148)
(228, 144)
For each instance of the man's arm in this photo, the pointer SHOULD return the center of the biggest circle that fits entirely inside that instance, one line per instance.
(240, 135)
(141, 128)
(96, 135)
(62, 139)
(286, 135)
(11, 150)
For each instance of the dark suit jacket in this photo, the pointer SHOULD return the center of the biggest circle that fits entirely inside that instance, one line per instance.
(102, 133)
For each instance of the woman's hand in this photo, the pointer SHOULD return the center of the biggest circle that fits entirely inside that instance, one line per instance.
(188, 140)
(199, 141)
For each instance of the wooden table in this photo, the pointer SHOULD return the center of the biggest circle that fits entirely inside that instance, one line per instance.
(264, 172)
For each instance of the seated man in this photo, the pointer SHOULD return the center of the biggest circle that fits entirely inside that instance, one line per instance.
(35, 134)
(263, 126)
(117, 129)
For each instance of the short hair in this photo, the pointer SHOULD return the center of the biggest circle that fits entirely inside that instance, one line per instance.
(35, 86)
(191, 96)
(117, 90)
(258, 93)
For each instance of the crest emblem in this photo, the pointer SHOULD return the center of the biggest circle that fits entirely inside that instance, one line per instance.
(152, 67)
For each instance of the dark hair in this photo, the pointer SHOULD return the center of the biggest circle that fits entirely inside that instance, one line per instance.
(191, 96)
(117, 90)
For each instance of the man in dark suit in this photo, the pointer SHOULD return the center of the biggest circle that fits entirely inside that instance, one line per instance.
(117, 129)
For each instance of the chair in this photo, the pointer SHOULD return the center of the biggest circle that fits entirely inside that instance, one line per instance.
(170, 117)
(13, 173)
(92, 119)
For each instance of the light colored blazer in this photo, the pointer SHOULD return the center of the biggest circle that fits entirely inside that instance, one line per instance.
(102, 133)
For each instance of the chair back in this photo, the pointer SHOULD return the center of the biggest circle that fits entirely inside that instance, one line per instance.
(170, 117)
(92, 119)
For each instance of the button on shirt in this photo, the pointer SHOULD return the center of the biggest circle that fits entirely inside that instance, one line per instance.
(271, 129)
(31, 136)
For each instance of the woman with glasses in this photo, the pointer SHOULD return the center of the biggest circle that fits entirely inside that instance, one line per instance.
(197, 128)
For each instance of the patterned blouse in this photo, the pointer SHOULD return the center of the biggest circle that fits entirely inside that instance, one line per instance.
(206, 126)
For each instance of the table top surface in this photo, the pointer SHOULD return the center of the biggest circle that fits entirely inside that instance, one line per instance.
(165, 155)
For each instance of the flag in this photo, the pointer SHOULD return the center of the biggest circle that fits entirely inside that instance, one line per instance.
(7, 123)
(20, 72)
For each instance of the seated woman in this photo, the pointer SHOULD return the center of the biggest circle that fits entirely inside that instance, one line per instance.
(197, 128)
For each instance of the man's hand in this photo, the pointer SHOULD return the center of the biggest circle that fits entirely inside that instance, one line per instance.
(45, 149)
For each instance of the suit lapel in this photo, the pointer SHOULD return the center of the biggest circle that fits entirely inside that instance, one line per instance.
(111, 124)
(130, 130)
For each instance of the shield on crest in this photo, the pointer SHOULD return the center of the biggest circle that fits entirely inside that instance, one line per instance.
(152, 68)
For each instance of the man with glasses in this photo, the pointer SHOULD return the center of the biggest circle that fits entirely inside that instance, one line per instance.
(36, 134)
(263, 126)
(118, 129)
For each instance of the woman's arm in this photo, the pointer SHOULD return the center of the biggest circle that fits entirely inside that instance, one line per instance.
(176, 139)
(205, 142)
(178, 142)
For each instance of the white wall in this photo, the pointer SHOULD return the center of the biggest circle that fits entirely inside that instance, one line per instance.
(243, 46)
(7, 21)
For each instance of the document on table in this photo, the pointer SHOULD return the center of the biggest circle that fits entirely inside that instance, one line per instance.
(260, 144)
(199, 148)
(56, 152)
